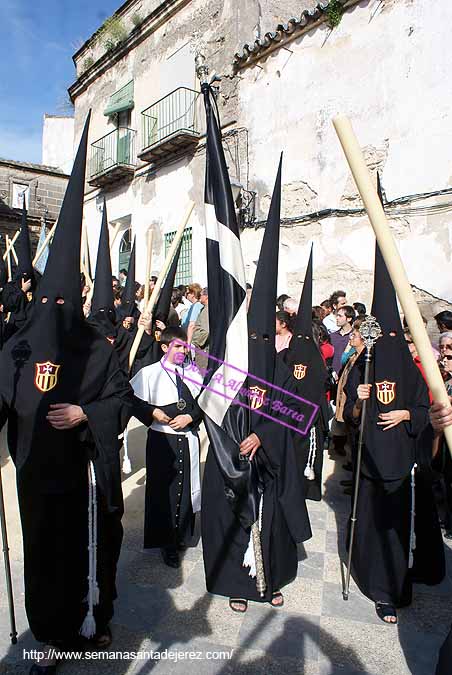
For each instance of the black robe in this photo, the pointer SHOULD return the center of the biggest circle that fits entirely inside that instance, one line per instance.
(168, 515)
(383, 533)
(285, 521)
(52, 473)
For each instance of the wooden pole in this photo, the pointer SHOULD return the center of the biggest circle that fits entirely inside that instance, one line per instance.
(393, 262)
(150, 234)
(8, 257)
(115, 234)
(156, 290)
(13, 251)
(11, 242)
(44, 243)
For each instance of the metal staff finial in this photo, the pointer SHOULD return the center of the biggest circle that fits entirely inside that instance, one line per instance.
(370, 331)
(198, 48)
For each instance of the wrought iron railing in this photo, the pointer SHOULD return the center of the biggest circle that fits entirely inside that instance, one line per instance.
(115, 149)
(175, 112)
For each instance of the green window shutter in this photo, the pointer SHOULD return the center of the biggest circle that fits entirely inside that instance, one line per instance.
(184, 267)
(124, 149)
(120, 100)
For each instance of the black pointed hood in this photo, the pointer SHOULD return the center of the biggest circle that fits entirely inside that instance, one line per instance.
(128, 305)
(261, 311)
(61, 277)
(303, 322)
(23, 249)
(163, 304)
(303, 355)
(103, 290)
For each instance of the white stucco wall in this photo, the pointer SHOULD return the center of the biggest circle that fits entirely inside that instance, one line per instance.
(389, 71)
(58, 142)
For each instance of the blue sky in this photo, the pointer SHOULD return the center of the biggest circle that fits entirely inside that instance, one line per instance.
(37, 41)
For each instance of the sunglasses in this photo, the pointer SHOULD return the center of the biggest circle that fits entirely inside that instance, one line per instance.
(448, 357)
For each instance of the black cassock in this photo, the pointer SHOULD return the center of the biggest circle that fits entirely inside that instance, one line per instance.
(172, 458)
(393, 547)
(52, 471)
(285, 521)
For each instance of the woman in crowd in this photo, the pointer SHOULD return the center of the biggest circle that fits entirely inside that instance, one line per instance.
(283, 331)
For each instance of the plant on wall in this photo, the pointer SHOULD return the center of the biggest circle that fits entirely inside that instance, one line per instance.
(86, 64)
(112, 32)
(137, 19)
(334, 13)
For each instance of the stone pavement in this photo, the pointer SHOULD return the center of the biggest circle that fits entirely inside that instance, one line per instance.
(315, 633)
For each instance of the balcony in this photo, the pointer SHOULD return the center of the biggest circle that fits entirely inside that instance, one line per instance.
(170, 125)
(112, 157)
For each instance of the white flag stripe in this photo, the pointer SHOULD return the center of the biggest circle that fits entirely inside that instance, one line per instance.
(214, 403)
(231, 258)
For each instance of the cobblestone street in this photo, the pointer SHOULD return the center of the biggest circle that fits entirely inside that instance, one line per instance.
(315, 633)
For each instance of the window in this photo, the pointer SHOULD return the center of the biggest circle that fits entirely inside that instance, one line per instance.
(125, 249)
(184, 271)
(19, 190)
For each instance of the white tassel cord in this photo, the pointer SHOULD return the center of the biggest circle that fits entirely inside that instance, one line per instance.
(413, 517)
(88, 629)
(309, 469)
(249, 559)
(126, 463)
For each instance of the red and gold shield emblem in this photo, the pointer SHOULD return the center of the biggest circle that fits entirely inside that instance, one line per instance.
(299, 371)
(46, 376)
(385, 391)
(257, 397)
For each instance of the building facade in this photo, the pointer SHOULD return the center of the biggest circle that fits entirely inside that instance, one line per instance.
(282, 81)
(43, 188)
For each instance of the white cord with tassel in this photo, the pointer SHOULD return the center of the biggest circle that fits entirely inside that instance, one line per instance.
(249, 559)
(126, 463)
(413, 517)
(88, 629)
(309, 469)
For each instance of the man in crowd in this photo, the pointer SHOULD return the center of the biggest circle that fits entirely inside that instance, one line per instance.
(444, 321)
(336, 301)
(340, 338)
(200, 338)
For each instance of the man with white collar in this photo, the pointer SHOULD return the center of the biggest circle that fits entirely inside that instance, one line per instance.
(165, 401)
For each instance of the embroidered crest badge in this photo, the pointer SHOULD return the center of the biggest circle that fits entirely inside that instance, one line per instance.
(257, 397)
(299, 371)
(385, 391)
(46, 376)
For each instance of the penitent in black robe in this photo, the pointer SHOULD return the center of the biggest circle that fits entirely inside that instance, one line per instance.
(381, 562)
(285, 521)
(52, 469)
(170, 502)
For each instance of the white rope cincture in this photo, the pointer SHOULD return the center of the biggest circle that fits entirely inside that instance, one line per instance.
(88, 629)
(249, 559)
(126, 463)
(413, 517)
(309, 469)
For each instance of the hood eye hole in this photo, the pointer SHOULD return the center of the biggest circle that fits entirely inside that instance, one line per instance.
(59, 300)
(44, 300)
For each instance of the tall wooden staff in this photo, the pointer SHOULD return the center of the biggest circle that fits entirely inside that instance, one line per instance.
(154, 295)
(41, 249)
(8, 256)
(393, 262)
(150, 234)
(370, 332)
(11, 242)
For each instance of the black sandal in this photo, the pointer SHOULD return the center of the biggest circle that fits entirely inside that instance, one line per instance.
(385, 609)
(238, 601)
(275, 596)
(103, 638)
